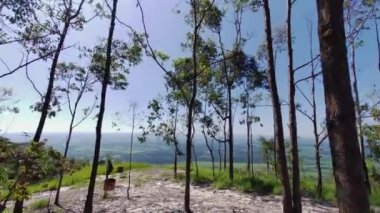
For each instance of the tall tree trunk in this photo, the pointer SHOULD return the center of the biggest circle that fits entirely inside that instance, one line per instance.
(210, 151)
(229, 111)
(358, 113)
(107, 73)
(248, 134)
(251, 141)
(175, 163)
(71, 128)
(196, 161)
(231, 134)
(275, 166)
(352, 194)
(131, 151)
(57, 194)
(210, 148)
(297, 204)
(191, 104)
(176, 151)
(225, 145)
(49, 91)
(277, 116)
(319, 170)
(188, 157)
(220, 156)
(314, 118)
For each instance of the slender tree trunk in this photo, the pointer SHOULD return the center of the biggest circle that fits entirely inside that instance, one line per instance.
(314, 118)
(319, 170)
(275, 166)
(107, 73)
(176, 151)
(352, 194)
(210, 151)
(220, 156)
(248, 135)
(225, 145)
(71, 128)
(213, 159)
(358, 114)
(229, 108)
(57, 194)
(196, 161)
(188, 160)
(175, 163)
(297, 202)
(231, 135)
(190, 115)
(49, 91)
(131, 151)
(251, 151)
(19, 205)
(277, 116)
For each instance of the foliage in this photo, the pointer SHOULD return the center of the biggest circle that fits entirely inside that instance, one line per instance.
(39, 204)
(124, 55)
(25, 164)
(267, 151)
(7, 102)
(81, 176)
(373, 139)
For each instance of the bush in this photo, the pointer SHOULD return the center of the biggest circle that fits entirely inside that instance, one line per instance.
(39, 204)
(78, 177)
(119, 169)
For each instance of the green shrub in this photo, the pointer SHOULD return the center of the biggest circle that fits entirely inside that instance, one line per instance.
(120, 169)
(79, 177)
(39, 204)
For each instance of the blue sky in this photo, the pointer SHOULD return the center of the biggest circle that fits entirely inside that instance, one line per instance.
(167, 30)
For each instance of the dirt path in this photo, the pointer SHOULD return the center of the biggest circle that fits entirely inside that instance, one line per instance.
(154, 191)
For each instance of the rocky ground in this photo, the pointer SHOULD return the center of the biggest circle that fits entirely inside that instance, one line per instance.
(154, 191)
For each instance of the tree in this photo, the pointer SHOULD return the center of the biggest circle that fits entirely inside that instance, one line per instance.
(357, 15)
(352, 194)
(217, 100)
(230, 66)
(25, 164)
(133, 108)
(253, 79)
(297, 202)
(105, 80)
(69, 19)
(267, 150)
(319, 135)
(167, 125)
(277, 117)
(75, 82)
(209, 128)
(199, 9)
(110, 64)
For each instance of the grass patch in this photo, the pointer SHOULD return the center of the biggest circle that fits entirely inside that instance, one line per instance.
(39, 204)
(81, 176)
(264, 184)
(261, 184)
(375, 195)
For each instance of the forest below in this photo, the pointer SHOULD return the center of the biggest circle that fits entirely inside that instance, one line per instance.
(248, 98)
